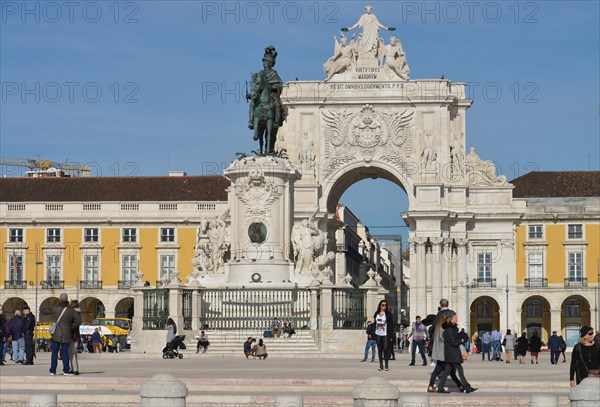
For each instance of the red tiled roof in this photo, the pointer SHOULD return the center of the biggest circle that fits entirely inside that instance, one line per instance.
(559, 184)
(114, 189)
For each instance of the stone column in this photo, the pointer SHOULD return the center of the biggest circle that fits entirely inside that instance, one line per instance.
(314, 310)
(452, 257)
(326, 318)
(586, 394)
(463, 307)
(554, 321)
(436, 271)
(163, 389)
(418, 295)
(176, 306)
(375, 392)
(428, 259)
(196, 308)
(137, 323)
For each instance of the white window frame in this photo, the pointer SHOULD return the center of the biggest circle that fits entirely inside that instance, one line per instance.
(127, 238)
(93, 238)
(128, 267)
(575, 266)
(20, 267)
(17, 237)
(535, 267)
(167, 235)
(537, 234)
(164, 271)
(53, 265)
(55, 236)
(91, 265)
(579, 233)
(484, 266)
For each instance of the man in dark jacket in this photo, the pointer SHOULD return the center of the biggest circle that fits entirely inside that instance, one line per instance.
(370, 342)
(16, 334)
(554, 347)
(66, 319)
(28, 328)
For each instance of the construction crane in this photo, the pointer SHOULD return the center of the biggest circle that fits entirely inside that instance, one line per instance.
(39, 167)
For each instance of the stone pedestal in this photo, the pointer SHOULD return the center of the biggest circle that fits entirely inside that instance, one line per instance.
(375, 392)
(261, 202)
(163, 389)
(586, 394)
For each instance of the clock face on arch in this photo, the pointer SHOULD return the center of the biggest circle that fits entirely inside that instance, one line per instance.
(257, 232)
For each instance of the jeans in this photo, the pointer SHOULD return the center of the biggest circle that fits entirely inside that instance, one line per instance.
(384, 355)
(554, 355)
(370, 344)
(18, 349)
(486, 349)
(467, 345)
(64, 354)
(421, 345)
(497, 350)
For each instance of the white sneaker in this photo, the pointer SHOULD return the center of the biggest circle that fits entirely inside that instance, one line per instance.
(432, 364)
(52, 374)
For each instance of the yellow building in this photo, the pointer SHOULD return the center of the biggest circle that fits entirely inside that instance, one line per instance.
(93, 238)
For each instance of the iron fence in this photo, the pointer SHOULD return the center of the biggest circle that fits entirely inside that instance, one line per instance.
(536, 282)
(186, 308)
(52, 284)
(15, 284)
(349, 308)
(576, 282)
(251, 309)
(156, 308)
(90, 285)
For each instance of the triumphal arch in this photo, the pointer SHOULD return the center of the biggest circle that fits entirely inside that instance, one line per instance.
(273, 252)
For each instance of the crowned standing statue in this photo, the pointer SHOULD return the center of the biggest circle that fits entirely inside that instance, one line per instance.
(266, 111)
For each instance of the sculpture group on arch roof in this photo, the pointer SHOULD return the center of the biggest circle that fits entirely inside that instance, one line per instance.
(367, 48)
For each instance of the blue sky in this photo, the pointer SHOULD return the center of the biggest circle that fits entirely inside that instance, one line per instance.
(171, 76)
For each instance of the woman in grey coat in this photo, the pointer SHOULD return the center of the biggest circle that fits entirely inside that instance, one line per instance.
(509, 345)
(171, 330)
(438, 355)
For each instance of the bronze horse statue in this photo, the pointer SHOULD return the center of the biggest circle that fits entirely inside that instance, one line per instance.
(265, 112)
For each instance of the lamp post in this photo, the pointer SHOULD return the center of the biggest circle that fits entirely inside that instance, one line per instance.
(467, 285)
(507, 291)
(37, 263)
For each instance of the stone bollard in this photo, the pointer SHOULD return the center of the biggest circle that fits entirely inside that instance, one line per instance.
(586, 394)
(42, 400)
(375, 392)
(543, 400)
(163, 389)
(414, 400)
(289, 400)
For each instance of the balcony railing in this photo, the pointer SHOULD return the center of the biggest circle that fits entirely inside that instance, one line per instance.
(15, 285)
(536, 282)
(126, 284)
(576, 282)
(53, 284)
(90, 285)
(484, 282)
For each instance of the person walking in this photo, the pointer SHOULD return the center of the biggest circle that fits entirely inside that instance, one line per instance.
(371, 342)
(563, 348)
(496, 345)
(96, 340)
(418, 336)
(466, 340)
(554, 348)
(585, 358)
(521, 348)
(535, 345)
(438, 353)
(509, 345)
(384, 327)
(66, 319)
(16, 335)
(453, 354)
(75, 340)
(28, 331)
(486, 343)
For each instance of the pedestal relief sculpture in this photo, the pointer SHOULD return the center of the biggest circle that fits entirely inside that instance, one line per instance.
(212, 246)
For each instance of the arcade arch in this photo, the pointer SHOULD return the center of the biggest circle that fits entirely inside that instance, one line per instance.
(91, 307)
(11, 305)
(575, 313)
(124, 308)
(46, 305)
(536, 316)
(485, 315)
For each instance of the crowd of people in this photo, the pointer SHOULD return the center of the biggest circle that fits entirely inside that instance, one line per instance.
(439, 337)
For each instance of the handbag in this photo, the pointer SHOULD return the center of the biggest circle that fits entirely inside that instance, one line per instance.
(463, 351)
(52, 327)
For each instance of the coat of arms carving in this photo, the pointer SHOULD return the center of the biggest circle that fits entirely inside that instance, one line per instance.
(258, 195)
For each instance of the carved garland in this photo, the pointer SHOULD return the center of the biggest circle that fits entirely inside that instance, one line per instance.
(366, 135)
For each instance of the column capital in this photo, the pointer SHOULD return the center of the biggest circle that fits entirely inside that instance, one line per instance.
(419, 240)
(461, 242)
(436, 240)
